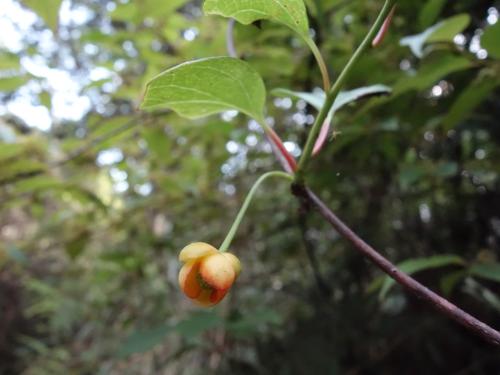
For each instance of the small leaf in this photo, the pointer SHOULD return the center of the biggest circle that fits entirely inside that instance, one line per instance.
(17, 255)
(434, 70)
(12, 83)
(448, 282)
(443, 31)
(207, 86)
(411, 266)
(158, 143)
(490, 271)
(410, 174)
(491, 40)
(447, 169)
(291, 13)
(469, 99)
(9, 61)
(143, 340)
(316, 99)
(48, 10)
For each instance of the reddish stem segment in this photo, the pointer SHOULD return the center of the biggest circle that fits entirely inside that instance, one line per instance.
(323, 135)
(384, 29)
(276, 140)
(441, 304)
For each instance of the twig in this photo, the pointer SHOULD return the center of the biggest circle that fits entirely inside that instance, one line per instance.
(441, 304)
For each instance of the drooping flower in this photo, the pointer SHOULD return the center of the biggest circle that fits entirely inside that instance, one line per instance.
(207, 274)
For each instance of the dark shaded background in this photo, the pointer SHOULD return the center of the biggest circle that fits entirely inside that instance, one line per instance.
(97, 197)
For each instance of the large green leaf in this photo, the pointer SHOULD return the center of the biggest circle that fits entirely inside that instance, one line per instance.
(48, 10)
(491, 40)
(207, 86)
(411, 266)
(291, 13)
(443, 31)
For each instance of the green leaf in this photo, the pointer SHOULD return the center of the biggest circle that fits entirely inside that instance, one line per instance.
(48, 10)
(449, 28)
(158, 143)
(207, 86)
(443, 31)
(448, 282)
(9, 150)
(491, 40)
(198, 323)
(20, 167)
(430, 12)
(291, 13)
(316, 99)
(37, 183)
(434, 70)
(251, 322)
(479, 90)
(489, 271)
(137, 12)
(143, 340)
(9, 61)
(412, 266)
(410, 174)
(9, 84)
(17, 255)
(447, 169)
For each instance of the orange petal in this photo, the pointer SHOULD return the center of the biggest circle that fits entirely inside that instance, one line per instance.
(218, 295)
(235, 262)
(188, 279)
(204, 299)
(195, 251)
(217, 271)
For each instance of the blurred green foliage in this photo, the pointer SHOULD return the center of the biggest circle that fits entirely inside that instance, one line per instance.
(95, 207)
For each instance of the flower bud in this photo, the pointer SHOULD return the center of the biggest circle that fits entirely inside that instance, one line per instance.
(207, 274)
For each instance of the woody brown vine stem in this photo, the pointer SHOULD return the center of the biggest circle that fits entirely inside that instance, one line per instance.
(409, 283)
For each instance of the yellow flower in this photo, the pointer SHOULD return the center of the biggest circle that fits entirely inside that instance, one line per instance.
(207, 274)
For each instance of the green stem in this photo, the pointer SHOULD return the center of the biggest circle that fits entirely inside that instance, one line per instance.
(246, 203)
(321, 62)
(334, 91)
